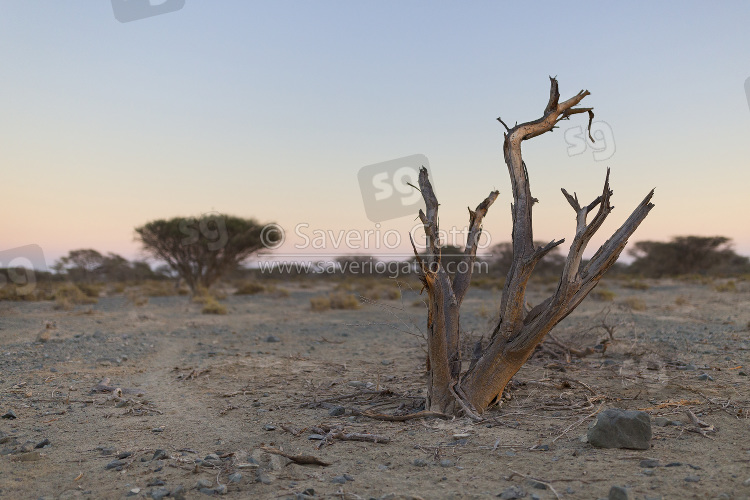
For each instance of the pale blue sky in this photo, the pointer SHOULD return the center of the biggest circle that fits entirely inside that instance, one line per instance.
(269, 109)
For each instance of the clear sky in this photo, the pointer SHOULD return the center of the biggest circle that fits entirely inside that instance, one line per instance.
(270, 109)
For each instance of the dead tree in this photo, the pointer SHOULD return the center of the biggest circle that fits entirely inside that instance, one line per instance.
(518, 330)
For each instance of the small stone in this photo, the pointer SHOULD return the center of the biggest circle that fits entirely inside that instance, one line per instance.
(337, 411)
(705, 376)
(159, 455)
(260, 477)
(123, 455)
(386, 362)
(620, 493)
(419, 462)
(133, 492)
(688, 368)
(27, 446)
(207, 491)
(157, 429)
(661, 421)
(212, 456)
(673, 464)
(273, 338)
(540, 447)
(221, 489)
(510, 453)
(512, 493)
(269, 427)
(178, 493)
(114, 464)
(446, 463)
(316, 437)
(615, 428)
(746, 482)
(653, 365)
(693, 479)
(203, 483)
(309, 492)
(155, 482)
(338, 480)
(235, 478)
(9, 415)
(649, 472)
(649, 463)
(357, 383)
(159, 493)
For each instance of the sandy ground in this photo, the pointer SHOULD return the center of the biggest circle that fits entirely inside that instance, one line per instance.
(197, 385)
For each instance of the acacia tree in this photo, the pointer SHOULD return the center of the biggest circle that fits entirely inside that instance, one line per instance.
(203, 249)
(519, 330)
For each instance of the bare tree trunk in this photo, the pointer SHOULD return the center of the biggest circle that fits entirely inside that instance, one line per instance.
(518, 331)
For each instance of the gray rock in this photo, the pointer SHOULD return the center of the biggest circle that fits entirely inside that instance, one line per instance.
(446, 463)
(705, 376)
(207, 491)
(45, 442)
(9, 415)
(159, 455)
(178, 493)
(649, 472)
(235, 478)
(221, 489)
(693, 479)
(512, 493)
(746, 482)
(203, 483)
(269, 427)
(159, 493)
(661, 421)
(649, 463)
(338, 480)
(616, 428)
(114, 464)
(419, 462)
(261, 477)
(337, 411)
(620, 493)
(273, 338)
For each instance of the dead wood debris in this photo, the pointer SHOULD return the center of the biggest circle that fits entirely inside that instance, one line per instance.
(193, 374)
(331, 434)
(104, 386)
(699, 426)
(297, 459)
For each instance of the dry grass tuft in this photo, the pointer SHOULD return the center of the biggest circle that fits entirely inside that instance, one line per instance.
(335, 300)
(635, 303)
(212, 306)
(69, 295)
(603, 295)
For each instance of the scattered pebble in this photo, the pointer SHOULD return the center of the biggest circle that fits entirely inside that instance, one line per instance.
(159, 493)
(273, 338)
(536, 484)
(337, 411)
(705, 376)
(316, 437)
(235, 478)
(446, 463)
(9, 415)
(693, 479)
(620, 493)
(115, 464)
(269, 427)
(512, 493)
(649, 463)
(419, 462)
(41, 444)
(203, 483)
(123, 455)
(338, 480)
(159, 454)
